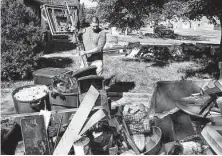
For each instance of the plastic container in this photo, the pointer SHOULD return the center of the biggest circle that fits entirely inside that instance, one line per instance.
(30, 106)
(45, 76)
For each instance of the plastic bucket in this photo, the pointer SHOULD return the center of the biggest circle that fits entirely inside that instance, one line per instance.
(30, 106)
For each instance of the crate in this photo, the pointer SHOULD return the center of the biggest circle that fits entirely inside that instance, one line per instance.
(46, 76)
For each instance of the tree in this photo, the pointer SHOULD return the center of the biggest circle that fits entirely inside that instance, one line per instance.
(132, 13)
(175, 9)
(21, 41)
(212, 9)
(89, 13)
(126, 13)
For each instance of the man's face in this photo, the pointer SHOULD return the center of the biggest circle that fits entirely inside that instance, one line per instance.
(94, 26)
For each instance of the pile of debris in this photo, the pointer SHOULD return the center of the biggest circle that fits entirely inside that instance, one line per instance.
(183, 52)
(166, 126)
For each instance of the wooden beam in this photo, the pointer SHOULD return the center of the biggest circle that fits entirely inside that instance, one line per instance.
(73, 110)
(72, 132)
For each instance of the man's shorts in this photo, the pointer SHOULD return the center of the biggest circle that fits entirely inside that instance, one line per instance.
(98, 64)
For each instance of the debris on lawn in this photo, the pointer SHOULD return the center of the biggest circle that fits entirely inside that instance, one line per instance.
(94, 127)
(166, 53)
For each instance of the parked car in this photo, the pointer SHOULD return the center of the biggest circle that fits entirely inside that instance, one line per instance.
(162, 30)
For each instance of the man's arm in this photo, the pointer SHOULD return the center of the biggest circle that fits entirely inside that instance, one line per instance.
(101, 44)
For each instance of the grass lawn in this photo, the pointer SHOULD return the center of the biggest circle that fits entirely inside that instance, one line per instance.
(121, 76)
(140, 76)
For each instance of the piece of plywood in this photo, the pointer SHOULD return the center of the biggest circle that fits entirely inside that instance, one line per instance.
(72, 132)
(96, 117)
(35, 135)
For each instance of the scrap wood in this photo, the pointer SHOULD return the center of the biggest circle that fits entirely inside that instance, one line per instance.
(95, 118)
(35, 135)
(58, 131)
(72, 132)
(125, 126)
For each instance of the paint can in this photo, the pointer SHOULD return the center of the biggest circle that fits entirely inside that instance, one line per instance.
(81, 147)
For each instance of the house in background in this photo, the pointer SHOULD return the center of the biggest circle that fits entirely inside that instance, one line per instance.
(203, 24)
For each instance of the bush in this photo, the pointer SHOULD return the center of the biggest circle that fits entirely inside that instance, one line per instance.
(21, 41)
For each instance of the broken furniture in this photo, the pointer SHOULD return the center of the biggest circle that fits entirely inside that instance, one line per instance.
(204, 106)
(168, 93)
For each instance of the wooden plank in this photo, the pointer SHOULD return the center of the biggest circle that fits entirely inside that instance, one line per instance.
(127, 94)
(35, 135)
(72, 131)
(37, 113)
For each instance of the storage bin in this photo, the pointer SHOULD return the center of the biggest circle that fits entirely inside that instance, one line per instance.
(45, 76)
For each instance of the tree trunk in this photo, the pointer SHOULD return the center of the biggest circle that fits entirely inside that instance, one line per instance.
(126, 31)
(220, 53)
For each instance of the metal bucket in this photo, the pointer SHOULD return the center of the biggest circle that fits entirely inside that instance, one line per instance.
(152, 148)
(30, 106)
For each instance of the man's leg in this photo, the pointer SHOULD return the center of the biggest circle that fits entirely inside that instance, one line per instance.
(99, 65)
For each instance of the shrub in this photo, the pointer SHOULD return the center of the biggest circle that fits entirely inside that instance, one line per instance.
(21, 41)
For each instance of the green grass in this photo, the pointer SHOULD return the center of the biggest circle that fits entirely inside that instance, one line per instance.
(142, 74)
(124, 76)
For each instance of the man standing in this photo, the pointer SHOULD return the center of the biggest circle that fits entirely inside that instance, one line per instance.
(94, 39)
